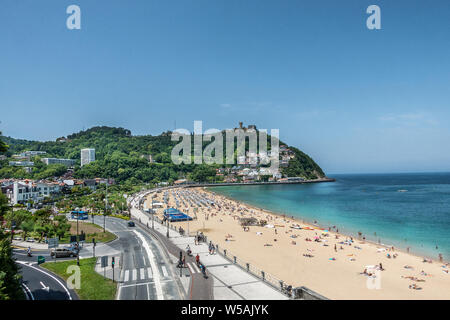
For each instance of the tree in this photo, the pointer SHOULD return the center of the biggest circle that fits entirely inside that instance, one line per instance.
(4, 208)
(39, 228)
(3, 146)
(27, 226)
(10, 288)
(17, 216)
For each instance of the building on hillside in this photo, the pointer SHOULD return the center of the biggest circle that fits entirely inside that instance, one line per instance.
(180, 181)
(21, 163)
(48, 189)
(87, 156)
(22, 192)
(66, 162)
(18, 157)
(2, 157)
(90, 183)
(32, 153)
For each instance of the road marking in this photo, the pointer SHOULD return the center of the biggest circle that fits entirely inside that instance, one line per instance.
(144, 283)
(189, 267)
(164, 271)
(149, 272)
(134, 274)
(127, 276)
(28, 291)
(158, 287)
(142, 274)
(194, 266)
(54, 278)
(44, 287)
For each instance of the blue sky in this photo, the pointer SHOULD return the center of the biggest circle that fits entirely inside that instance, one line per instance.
(356, 100)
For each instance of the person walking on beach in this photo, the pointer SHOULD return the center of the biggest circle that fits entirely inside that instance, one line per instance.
(335, 248)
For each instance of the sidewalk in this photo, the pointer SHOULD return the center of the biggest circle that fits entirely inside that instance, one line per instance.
(230, 281)
(32, 245)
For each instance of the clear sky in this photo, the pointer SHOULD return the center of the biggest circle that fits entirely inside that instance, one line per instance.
(356, 100)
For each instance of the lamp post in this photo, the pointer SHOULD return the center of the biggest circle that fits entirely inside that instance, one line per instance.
(153, 218)
(106, 208)
(167, 228)
(78, 243)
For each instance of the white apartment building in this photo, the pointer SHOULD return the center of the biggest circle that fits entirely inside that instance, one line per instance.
(21, 163)
(66, 162)
(47, 189)
(22, 192)
(87, 156)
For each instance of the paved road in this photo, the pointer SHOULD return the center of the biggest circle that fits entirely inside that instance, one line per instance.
(40, 284)
(144, 271)
(201, 288)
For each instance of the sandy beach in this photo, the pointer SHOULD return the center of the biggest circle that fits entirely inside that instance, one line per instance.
(334, 265)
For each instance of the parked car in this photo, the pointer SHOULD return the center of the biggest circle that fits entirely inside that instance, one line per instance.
(63, 252)
(18, 238)
(130, 223)
(30, 239)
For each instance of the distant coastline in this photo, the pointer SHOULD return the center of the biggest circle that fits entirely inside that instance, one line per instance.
(225, 184)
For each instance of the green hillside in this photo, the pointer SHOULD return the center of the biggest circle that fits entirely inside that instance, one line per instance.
(122, 156)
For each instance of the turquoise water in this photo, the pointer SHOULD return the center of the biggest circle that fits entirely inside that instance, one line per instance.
(371, 203)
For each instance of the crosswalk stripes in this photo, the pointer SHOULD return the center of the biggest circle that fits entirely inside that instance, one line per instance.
(149, 272)
(140, 274)
(194, 266)
(164, 271)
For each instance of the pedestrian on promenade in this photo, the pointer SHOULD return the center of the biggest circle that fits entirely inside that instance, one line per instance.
(204, 271)
(197, 260)
(184, 261)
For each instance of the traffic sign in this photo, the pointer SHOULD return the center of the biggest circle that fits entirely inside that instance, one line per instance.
(53, 243)
(104, 261)
(41, 259)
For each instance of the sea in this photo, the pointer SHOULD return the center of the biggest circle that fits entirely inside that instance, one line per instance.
(405, 210)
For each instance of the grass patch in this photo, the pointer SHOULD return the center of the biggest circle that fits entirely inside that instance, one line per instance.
(93, 285)
(91, 230)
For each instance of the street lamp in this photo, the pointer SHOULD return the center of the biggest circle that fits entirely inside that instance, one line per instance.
(78, 244)
(153, 217)
(167, 221)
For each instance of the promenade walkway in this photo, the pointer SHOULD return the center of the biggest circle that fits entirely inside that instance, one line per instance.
(230, 282)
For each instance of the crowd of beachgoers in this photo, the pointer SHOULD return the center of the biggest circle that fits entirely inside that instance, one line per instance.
(301, 254)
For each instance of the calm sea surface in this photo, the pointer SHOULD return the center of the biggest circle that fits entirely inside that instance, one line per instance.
(404, 210)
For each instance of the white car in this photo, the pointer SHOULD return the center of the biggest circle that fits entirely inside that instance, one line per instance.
(18, 238)
(30, 240)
